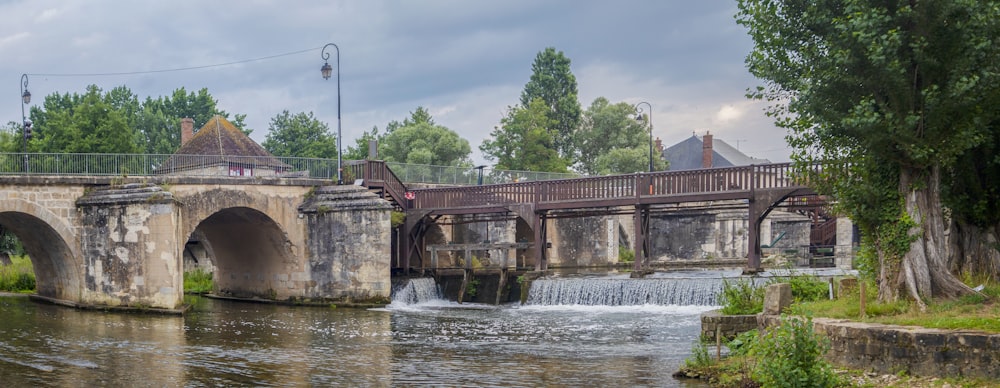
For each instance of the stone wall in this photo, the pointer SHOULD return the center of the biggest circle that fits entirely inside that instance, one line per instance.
(729, 326)
(887, 349)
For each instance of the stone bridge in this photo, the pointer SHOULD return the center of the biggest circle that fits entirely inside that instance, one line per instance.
(120, 241)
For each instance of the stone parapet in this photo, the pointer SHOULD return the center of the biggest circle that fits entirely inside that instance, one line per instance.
(728, 326)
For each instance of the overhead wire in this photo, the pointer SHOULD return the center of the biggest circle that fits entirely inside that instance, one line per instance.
(173, 69)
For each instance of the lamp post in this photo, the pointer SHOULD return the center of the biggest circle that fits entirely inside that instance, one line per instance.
(480, 168)
(327, 70)
(25, 124)
(639, 117)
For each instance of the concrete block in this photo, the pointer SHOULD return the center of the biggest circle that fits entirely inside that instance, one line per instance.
(777, 297)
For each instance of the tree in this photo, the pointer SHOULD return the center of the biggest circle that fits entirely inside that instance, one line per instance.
(611, 141)
(554, 83)
(523, 142)
(359, 151)
(419, 141)
(93, 122)
(300, 135)
(898, 91)
(159, 119)
(153, 125)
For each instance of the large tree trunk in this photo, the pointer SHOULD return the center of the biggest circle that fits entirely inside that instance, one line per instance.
(974, 250)
(924, 271)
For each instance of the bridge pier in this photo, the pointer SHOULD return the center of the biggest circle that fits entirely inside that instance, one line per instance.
(131, 252)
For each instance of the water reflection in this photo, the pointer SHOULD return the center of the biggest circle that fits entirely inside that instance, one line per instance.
(223, 343)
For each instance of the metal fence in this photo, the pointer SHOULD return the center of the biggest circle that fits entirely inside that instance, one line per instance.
(215, 165)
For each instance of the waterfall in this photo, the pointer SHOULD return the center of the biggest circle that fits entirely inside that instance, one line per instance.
(417, 290)
(625, 292)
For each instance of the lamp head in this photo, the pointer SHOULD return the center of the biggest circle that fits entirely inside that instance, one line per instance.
(327, 70)
(26, 97)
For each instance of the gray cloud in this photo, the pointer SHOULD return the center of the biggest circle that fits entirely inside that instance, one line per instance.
(465, 60)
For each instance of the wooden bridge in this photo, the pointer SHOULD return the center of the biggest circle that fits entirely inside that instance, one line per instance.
(763, 187)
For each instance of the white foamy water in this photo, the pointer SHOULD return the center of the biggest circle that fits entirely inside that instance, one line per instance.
(592, 291)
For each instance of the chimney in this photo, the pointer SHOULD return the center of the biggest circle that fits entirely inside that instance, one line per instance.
(659, 145)
(187, 130)
(706, 151)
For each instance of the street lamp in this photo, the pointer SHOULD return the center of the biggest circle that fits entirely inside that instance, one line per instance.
(327, 70)
(480, 168)
(25, 124)
(639, 117)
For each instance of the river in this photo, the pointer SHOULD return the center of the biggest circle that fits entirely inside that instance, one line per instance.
(421, 342)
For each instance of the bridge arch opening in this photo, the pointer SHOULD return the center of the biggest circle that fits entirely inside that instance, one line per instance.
(57, 271)
(249, 254)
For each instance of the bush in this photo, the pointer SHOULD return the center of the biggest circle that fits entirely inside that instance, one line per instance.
(625, 255)
(198, 281)
(806, 287)
(741, 297)
(789, 355)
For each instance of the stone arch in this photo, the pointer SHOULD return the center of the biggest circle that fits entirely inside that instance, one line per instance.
(49, 242)
(253, 255)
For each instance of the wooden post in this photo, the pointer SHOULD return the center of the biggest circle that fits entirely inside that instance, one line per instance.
(861, 285)
(465, 283)
(718, 343)
(502, 283)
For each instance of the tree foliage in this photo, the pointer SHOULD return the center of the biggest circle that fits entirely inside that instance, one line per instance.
(300, 135)
(893, 92)
(611, 141)
(523, 142)
(555, 85)
(117, 122)
(419, 140)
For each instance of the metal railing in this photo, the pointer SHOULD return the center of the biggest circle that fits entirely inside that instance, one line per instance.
(158, 164)
(215, 165)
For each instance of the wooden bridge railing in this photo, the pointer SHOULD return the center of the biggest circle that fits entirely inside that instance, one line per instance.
(613, 187)
(376, 174)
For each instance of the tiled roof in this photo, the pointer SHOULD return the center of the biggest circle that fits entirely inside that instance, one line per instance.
(217, 142)
(687, 154)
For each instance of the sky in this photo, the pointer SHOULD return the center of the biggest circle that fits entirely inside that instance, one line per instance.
(466, 61)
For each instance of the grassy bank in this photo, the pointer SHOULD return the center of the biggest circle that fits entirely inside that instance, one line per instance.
(197, 282)
(971, 312)
(17, 277)
(792, 355)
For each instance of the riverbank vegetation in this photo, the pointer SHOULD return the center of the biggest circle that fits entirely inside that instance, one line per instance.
(197, 281)
(793, 352)
(19, 276)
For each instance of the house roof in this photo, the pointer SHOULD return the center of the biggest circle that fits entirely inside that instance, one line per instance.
(217, 142)
(686, 155)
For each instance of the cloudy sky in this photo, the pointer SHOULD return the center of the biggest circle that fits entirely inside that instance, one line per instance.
(465, 61)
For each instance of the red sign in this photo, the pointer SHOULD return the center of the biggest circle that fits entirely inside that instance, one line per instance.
(410, 195)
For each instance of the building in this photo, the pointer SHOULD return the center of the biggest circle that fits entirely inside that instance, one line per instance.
(220, 149)
(706, 152)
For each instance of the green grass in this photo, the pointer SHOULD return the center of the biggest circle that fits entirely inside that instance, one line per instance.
(197, 282)
(971, 312)
(17, 277)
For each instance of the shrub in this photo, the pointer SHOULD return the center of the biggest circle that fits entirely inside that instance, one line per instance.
(198, 281)
(789, 355)
(741, 297)
(625, 255)
(806, 287)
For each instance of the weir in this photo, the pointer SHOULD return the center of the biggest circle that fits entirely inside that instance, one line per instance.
(416, 290)
(625, 292)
